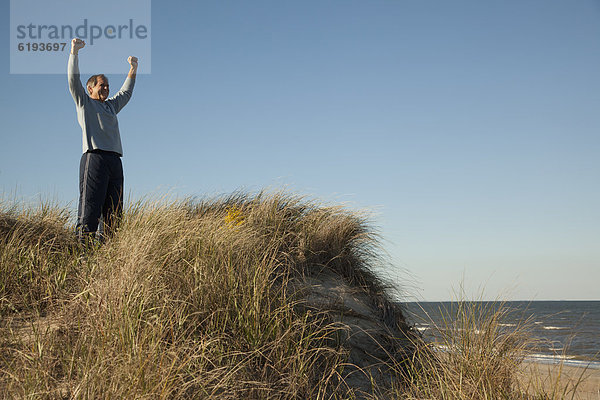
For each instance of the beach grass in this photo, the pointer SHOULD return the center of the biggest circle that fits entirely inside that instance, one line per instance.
(186, 300)
(200, 299)
(473, 353)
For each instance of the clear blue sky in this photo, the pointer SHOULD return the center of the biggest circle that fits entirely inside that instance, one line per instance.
(470, 128)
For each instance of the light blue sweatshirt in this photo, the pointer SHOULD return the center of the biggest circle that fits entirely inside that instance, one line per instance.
(98, 120)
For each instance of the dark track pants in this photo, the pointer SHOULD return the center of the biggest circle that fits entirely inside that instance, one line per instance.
(100, 192)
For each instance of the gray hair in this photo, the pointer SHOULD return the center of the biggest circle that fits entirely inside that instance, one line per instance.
(94, 79)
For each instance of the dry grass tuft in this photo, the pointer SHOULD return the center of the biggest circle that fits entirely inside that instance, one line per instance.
(186, 300)
(38, 257)
(240, 297)
(476, 355)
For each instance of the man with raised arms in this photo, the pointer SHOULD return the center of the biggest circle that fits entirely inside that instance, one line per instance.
(100, 169)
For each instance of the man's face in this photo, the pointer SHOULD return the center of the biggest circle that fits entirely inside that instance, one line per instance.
(100, 90)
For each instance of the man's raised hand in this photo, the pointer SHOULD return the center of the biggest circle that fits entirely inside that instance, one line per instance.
(76, 44)
(133, 61)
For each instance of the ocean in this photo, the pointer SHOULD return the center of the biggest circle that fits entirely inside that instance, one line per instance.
(566, 331)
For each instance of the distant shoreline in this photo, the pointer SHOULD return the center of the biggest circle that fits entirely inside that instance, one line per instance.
(556, 361)
(563, 332)
(497, 301)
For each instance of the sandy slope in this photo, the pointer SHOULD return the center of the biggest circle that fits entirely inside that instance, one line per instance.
(570, 382)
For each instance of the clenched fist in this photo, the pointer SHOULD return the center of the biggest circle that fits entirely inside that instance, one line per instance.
(77, 44)
(133, 61)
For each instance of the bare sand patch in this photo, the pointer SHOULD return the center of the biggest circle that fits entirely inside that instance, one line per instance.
(560, 381)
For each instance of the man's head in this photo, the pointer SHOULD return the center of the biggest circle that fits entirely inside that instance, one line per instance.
(97, 87)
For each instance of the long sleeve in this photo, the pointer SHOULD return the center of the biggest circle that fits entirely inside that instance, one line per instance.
(75, 87)
(122, 97)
